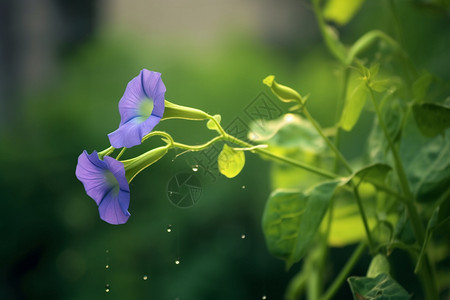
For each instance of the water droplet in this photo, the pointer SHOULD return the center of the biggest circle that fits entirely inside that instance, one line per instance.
(264, 297)
(107, 267)
(195, 168)
(177, 262)
(243, 187)
(243, 236)
(169, 228)
(145, 277)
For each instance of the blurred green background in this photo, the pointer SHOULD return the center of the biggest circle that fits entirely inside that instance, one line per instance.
(64, 67)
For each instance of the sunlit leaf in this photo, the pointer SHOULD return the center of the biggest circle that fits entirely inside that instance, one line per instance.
(291, 220)
(341, 11)
(382, 287)
(290, 130)
(353, 106)
(432, 118)
(231, 161)
(378, 265)
(347, 226)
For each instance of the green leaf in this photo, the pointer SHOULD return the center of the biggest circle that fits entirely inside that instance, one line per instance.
(375, 174)
(432, 118)
(231, 161)
(341, 11)
(382, 287)
(291, 220)
(288, 131)
(353, 106)
(420, 86)
(378, 265)
(211, 125)
(426, 163)
(393, 112)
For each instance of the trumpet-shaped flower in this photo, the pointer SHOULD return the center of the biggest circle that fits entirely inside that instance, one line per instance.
(105, 182)
(141, 108)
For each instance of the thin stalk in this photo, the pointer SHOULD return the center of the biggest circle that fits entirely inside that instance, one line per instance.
(287, 160)
(334, 287)
(197, 147)
(349, 169)
(325, 138)
(339, 105)
(364, 219)
(426, 273)
(121, 153)
(105, 152)
(417, 225)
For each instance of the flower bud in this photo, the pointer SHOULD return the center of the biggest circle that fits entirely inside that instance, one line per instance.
(174, 111)
(284, 93)
(135, 165)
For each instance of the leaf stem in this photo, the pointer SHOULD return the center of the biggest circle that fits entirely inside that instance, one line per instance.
(327, 140)
(287, 160)
(349, 169)
(334, 287)
(426, 273)
(364, 219)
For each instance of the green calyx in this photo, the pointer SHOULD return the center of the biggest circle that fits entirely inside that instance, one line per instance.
(174, 111)
(135, 165)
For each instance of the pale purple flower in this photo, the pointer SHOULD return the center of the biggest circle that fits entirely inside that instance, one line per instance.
(141, 108)
(105, 182)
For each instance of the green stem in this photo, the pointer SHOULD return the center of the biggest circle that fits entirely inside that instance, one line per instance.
(338, 112)
(417, 225)
(121, 153)
(287, 160)
(349, 169)
(334, 287)
(426, 273)
(364, 219)
(105, 152)
(333, 44)
(197, 147)
(329, 143)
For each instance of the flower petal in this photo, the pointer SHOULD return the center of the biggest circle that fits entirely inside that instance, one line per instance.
(90, 171)
(133, 125)
(155, 89)
(111, 193)
(110, 209)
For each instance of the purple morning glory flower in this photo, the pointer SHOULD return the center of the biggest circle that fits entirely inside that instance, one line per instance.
(141, 108)
(105, 182)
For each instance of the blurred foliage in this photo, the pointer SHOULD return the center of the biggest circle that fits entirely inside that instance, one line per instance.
(55, 246)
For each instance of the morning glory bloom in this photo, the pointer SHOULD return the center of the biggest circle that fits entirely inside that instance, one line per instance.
(105, 182)
(141, 108)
